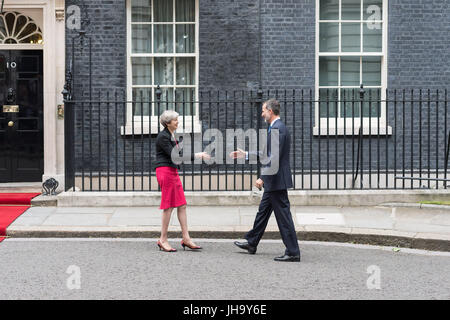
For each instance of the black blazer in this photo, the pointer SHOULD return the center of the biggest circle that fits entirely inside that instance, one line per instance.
(164, 147)
(282, 179)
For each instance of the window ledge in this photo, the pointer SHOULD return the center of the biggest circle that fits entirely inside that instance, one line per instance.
(142, 128)
(374, 131)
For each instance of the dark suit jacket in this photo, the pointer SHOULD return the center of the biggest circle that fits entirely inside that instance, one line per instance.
(282, 179)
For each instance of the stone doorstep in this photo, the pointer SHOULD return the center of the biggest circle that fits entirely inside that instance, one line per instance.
(44, 201)
(245, 198)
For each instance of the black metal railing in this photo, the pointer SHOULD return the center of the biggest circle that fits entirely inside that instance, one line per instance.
(401, 142)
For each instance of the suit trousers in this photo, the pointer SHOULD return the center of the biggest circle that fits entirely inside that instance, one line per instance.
(278, 202)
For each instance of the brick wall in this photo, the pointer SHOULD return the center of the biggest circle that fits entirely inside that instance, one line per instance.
(419, 44)
(418, 54)
(288, 42)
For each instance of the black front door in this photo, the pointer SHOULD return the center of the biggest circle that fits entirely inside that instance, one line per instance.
(21, 116)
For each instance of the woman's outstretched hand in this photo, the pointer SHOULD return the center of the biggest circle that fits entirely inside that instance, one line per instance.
(202, 155)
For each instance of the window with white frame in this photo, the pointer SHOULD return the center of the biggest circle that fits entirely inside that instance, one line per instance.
(162, 51)
(351, 50)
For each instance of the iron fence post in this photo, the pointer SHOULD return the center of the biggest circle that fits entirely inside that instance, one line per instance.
(258, 104)
(361, 132)
(69, 143)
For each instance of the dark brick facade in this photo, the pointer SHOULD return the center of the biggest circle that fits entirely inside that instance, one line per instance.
(229, 44)
(419, 44)
(232, 57)
(107, 29)
(288, 44)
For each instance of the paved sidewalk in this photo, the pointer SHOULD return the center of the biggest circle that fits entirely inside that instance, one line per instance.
(404, 225)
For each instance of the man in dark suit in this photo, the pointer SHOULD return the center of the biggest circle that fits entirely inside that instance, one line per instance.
(276, 179)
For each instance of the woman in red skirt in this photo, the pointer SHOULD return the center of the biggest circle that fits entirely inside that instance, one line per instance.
(172, 193)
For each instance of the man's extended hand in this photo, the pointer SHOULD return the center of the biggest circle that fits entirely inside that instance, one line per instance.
(238, 154)
(259, 183)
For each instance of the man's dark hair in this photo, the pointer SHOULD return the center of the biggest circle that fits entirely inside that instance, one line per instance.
(273, 105)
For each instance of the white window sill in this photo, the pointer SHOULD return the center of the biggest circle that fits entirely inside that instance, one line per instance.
(142, 128)
(331, 131)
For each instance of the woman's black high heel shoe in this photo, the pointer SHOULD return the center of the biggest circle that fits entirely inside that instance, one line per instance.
(184, 245)
(164, 249)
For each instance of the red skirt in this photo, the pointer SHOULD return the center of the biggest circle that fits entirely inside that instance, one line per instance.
(172, 193)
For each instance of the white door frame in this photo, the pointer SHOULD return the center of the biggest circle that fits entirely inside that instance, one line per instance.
(53, 29)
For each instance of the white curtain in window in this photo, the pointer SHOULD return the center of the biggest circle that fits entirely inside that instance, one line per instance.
(163, 38)
(185, 71)
(163, 71)
(163, 10)
(185, 10)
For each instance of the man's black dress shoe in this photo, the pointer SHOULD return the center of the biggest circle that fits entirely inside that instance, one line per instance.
(288, 258)
(244, 245)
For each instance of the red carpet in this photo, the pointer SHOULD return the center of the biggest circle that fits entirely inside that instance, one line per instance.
(12, 205)
(17, 198)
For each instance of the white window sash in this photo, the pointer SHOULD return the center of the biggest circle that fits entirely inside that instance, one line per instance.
(133, 126)
(331, 124)
(142, 125)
